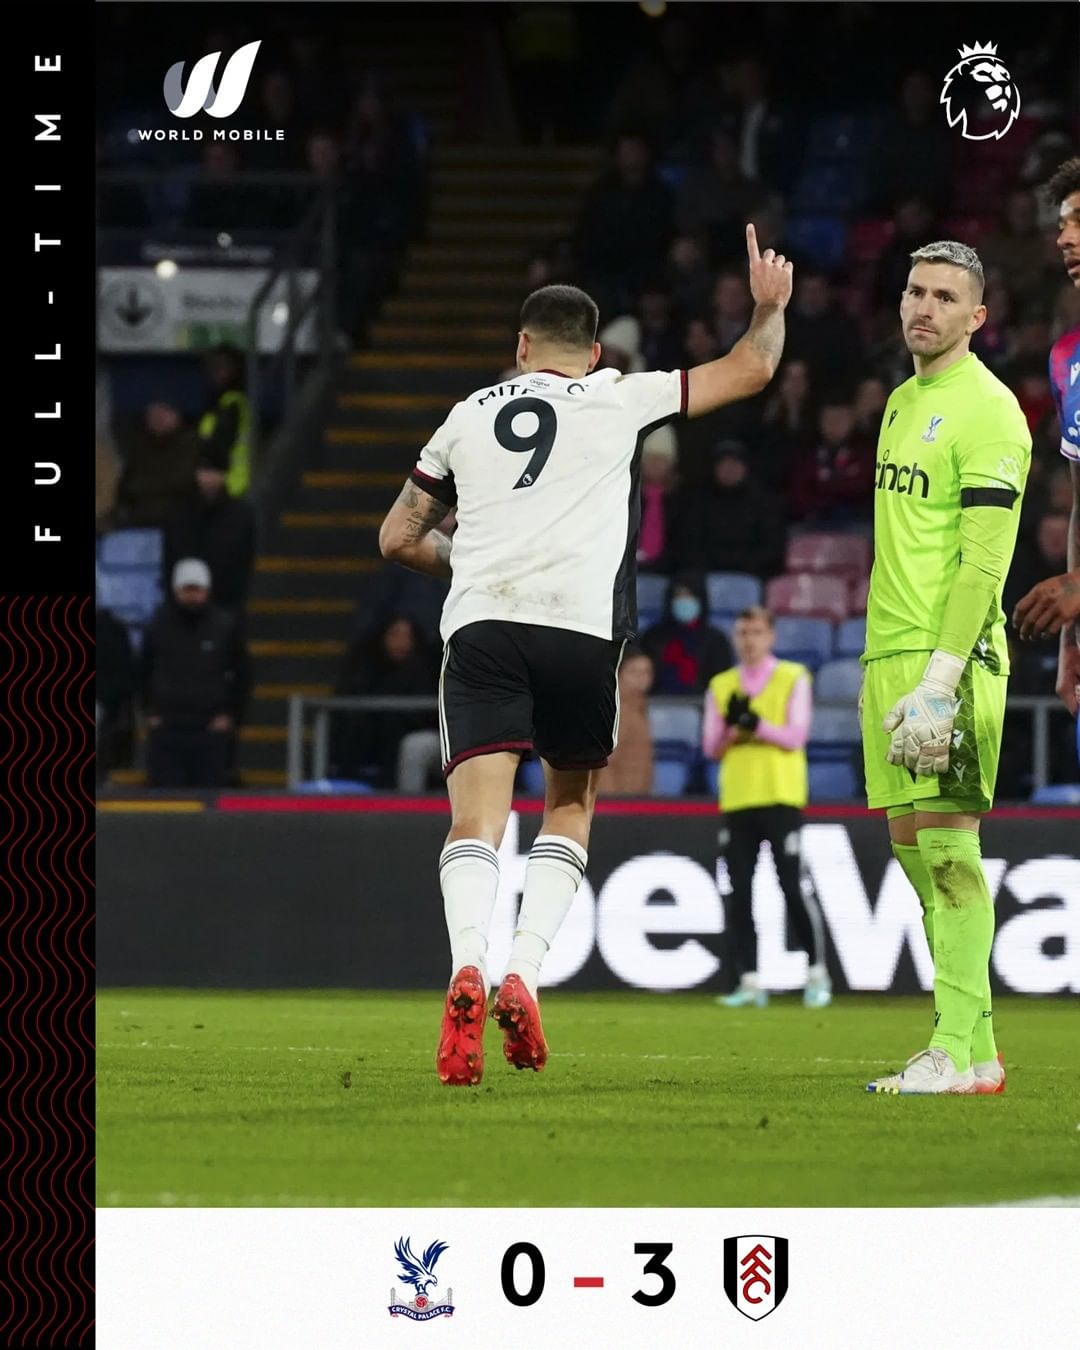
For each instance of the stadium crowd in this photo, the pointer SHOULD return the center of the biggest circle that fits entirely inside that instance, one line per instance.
(768, 500)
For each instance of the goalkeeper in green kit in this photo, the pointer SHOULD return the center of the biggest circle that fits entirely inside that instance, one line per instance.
(953, 458)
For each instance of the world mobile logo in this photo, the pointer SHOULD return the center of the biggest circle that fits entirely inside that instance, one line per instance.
(200, 95)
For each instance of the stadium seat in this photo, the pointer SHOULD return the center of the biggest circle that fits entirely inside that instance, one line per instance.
(838, 682)
(532, 778)
(867, 239)
(646, 618)
(651, 591)
(676, 729)
(808, 594)
(131, 596)
(712, 778)
(334, 787)
(730, 592)
(670, 777)
(840, 136)
(830, 186)
(845, 555)
(131, 548)
(832, 781)
(1057, 794)
(859, 591)
(851, 637)
(820, 239)
(805, 640)
(834, 726)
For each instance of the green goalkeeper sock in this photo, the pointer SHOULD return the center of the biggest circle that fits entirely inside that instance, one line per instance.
(910, 859)
(963, 937)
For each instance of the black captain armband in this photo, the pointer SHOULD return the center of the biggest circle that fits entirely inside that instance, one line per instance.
(442, 489)
(986, 496)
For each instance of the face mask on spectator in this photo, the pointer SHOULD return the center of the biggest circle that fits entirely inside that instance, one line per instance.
(686, 609)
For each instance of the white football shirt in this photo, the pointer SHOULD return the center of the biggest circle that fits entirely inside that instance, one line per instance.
(544, 470)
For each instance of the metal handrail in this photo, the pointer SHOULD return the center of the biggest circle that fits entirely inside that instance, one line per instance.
(1040, 706)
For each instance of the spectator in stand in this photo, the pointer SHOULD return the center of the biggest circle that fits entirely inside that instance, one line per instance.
(1029, 379)
(218, 529)
(394, 661)
(661, 344)
(159, 458)
(220, 198)
(688, 276)
(106, 459)
(657, 500)
(913, 225)
(716, 199)
(731, 308)
(620, 345)
(663, 88)
(789, 424)
(915, 153)
(624, 226)
(1018, 246)
(768, 142)
(1044, 555)
(225, 427)
(991, 342)
(868, 407)
(686, 651)
(832, 486)
(629, 770)
(733, 525)
(195, 684)
(698, 436)
(820, 333)
(276, 105)
(115, 689)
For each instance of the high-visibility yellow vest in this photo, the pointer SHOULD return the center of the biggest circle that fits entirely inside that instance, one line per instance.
(754, 772)
(238, 474)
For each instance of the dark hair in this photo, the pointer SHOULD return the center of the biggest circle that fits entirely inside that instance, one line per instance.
(1065, 181)
(756, 612)
(561, 315)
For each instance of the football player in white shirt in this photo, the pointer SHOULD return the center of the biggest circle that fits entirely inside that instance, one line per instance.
(543, 472)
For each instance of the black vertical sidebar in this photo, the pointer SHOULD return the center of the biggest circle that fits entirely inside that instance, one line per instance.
(46, 681)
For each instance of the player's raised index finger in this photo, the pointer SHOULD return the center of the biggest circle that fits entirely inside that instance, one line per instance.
(752, 244)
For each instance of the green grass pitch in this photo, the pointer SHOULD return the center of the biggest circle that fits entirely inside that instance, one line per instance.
(214, 1098)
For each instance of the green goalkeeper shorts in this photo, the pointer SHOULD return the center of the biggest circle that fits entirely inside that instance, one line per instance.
(976, 747)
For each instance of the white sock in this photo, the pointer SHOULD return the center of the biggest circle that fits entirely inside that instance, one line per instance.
(815, 971)
(469, 877)
(554, 872)
(750, 980)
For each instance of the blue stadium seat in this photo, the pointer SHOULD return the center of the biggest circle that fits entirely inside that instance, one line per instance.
(670, 777)
(334, 787)
(840, 136)
(834, 725)
(832, 781)
(1057, 794)
(851, 636)
(821, 239)
(838, 682)
(673, 727)
(712, 777)
(730, 592)
(651, 591)
(532, 777)
(646, 618)
(131, 596)
(807, 640)
(131, 548)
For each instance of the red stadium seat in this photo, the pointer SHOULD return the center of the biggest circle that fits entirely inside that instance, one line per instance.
(859, 591)
(843, 555)
(867, 239)
(808, 595)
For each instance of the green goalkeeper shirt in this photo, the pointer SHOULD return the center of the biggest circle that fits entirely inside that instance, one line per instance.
(952, 462)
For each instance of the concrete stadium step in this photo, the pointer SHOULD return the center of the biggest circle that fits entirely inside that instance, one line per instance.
(348, 492)
(249, 778)
(401, 373)
(284, 577)
(533, 205)
(508, 179)
(434, 281)
(450, 337)
(522, 231)
(462, 255)
(279, 661)
(330, 534)
(270, 702)
(423, 308)
(368, 435)
(306, 620)
(407, 411)
(516, 156)
(399, 459)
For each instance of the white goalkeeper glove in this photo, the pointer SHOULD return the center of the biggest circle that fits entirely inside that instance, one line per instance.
(922, 722)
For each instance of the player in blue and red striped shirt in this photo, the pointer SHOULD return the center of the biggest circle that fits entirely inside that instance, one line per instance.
(1053, 606)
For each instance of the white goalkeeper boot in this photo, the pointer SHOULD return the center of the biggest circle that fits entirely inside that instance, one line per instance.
(925, 1074)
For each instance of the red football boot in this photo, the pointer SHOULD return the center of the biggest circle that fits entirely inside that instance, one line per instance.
(460, 1056)
(516, 1012)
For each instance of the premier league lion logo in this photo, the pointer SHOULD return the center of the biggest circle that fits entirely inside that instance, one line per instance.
(980, 95)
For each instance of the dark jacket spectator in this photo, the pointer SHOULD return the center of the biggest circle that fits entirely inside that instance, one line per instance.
(716, 199)
(915, 151)
(688, 274)
(832, 485)
(820, 333)
(734, 524)
(196, 681)
(661, 341)
(1018, 247)
(789, 424)
(394, 661)
(624, 226)
(913, 226)
(159, 458)
(686, 651)
(220, 530)
(115, 689)
(767, 137)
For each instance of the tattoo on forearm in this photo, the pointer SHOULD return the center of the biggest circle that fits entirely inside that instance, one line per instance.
(766, 332)
(424, 514)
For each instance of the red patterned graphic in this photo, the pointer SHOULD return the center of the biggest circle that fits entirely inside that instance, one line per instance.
(46, 766)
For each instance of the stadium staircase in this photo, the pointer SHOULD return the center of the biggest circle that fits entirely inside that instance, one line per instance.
(449, 328)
